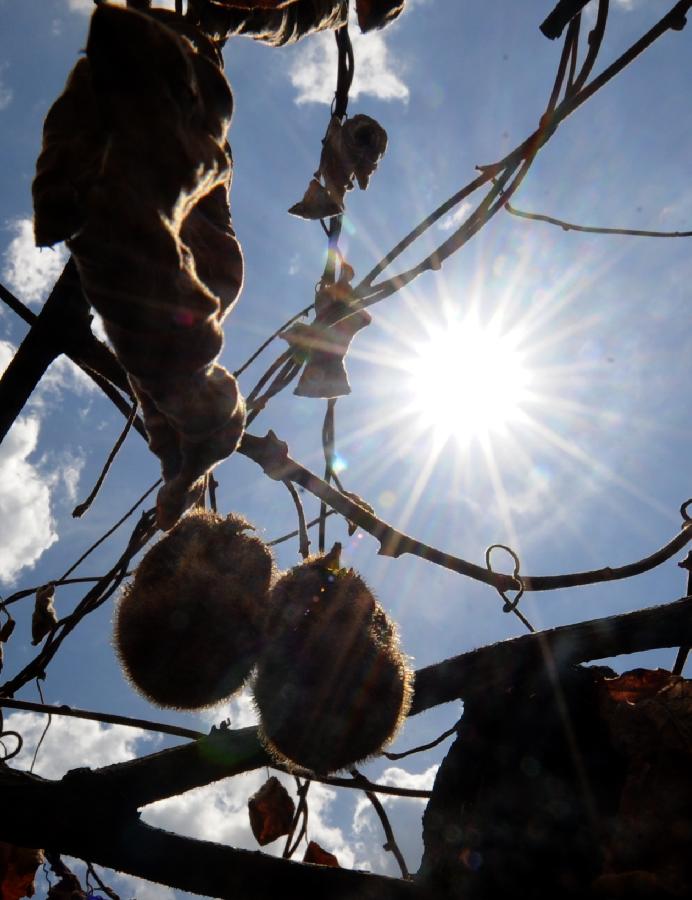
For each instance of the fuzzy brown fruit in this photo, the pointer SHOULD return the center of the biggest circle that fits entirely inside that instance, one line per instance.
(332, 685)
(188, 629)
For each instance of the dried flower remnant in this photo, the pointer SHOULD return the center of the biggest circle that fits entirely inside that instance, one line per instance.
(188, 630)
(332, 685)
(44, 618)
(351, 149)
(134, 173)
(271, 810)
(324, 343)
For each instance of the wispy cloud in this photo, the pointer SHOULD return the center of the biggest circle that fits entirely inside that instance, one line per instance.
(86, 7)
(454, 219)
(70, 743)
(313, 72)
(6, 93)
(29, 486)
(26, 523)
(29, 271)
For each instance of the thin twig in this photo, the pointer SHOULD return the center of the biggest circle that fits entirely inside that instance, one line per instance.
(301, 815)
(391, 844)
(593, 229)
(29, 592)
(292, 534)
(45, 730)
(263, 346)
(96, 597)
(110, 531)
(423, 747)
(272, 455)
(304, 543)
(328, 439)
(81, 508)
(108, 718)
(104, 887)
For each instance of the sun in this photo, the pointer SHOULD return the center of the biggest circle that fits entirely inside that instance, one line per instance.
(468, 380)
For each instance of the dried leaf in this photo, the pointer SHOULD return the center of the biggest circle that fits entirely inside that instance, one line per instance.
(18, 867)
(377, 13)
(271, 811)
(44, 618)
(67, 888)
(315, 854)
(6, 630)
(150, 231)
(351, 149)
(639, 684)
(323, 345)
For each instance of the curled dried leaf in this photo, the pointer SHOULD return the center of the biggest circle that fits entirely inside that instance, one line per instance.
(151, 232)
(377, 13)
(351, 149)
(318, 856)
(44, 618)
(324, 345)
(271, 811)
(6, 630)
(18, 867)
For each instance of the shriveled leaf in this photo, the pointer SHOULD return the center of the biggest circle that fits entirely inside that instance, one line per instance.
(6, 630)
(315, 854)
(18, 867)
(639, 684)
(271, 811)
(68, 888)
(44, 618)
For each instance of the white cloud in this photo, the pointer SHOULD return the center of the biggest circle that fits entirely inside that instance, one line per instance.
(71, 743)
(31, 272)
(239, 711)
(405, 815)
(26, 523)
(6, 93)
(28, 487)
(454, 219)
(313, 72)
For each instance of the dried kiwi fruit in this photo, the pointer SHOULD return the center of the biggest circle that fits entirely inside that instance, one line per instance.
(332, 685)
(188, 630)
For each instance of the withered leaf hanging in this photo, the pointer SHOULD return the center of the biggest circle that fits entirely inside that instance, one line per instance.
(317, 855)
(134, 173)
(324, 345)
(271, 811)
(44, 618)
(18, 867)
(351, 150)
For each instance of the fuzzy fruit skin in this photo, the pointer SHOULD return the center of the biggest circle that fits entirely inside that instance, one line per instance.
(188, 629)
(332, 685)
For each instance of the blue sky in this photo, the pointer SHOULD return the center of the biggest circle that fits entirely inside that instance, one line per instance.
(591, 473)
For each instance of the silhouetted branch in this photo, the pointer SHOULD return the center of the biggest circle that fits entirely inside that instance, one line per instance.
(498, 665)
(81, 508)
(272, 455)
(108, 718)
(391, 845)
(593, 229)
(422, 747)
(96, 597)
(56, 814)
(554, 24)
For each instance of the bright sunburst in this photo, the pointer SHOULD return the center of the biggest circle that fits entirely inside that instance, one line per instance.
(468, 380)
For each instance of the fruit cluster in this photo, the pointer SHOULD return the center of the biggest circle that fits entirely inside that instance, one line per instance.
(331, 686)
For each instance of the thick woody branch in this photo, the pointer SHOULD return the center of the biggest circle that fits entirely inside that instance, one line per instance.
(58, 814)
(499, 665)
